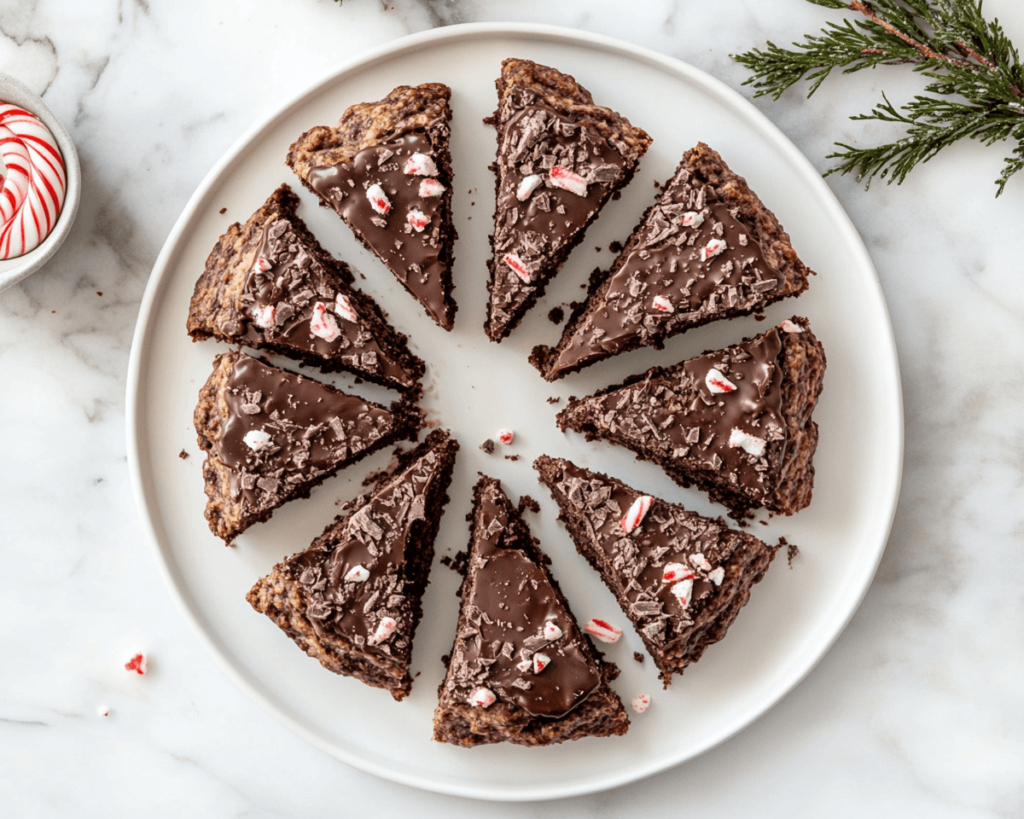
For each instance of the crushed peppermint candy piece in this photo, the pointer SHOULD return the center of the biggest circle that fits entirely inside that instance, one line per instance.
(483, 697)
(137, 663)
(788, 326)
(257, 439)
(343, 307)
(264, 315)
(641, 702)
(430, 188)
(716, 576)
(568, 180)
(692, 219)
(103, 710)
(322, 324)
(528, 186)
(636, 513)
(717, 382)
(378, 199)
(418, 219)
(540, 662)
(701, 562)
(385, 628)
(357, 574)
(603, 631)
(551, 630)
(682, 591)
(261, 265)
(747, 442)
(420, 165)
(712, 249)
(663, 305)
(524, 666)
(675, 572)
(513, 261)
(506, 436)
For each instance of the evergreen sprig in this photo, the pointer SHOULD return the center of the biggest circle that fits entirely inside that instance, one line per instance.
(974, 72)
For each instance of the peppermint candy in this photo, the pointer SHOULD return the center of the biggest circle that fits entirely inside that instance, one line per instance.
(663, 305)
(641, 702)
(716, 576)
(712, 249)
(568, 180)
(717, 383)
(418, 219)
(682, 591)
(788, 326)
(103, 710)
(483, 697)
(34, 187)
(540, 662)
(430, 188)
(746, 442)
(636, 513)
(513, 261)
(343, 307)
(261, 265)
(528, 186)
(137, 663)
(674, 572)
(257, 439)
(603, 631)
(264, 316)
(524, 666)
(506, 436)
(357, 574)
(420, 165)
(322, 324)
(551, 630)
(385, 628)
(701, 562)
(692, 219)
(378, 199)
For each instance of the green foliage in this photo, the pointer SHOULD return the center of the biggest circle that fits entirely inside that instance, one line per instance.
(973, 70)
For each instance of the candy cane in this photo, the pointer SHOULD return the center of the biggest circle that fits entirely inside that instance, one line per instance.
(32, 194)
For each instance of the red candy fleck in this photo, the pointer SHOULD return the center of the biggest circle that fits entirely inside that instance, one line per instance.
(717, 382)
(378, 199)
(506, 436)
(568, 180)
(603, 631)
(137, 664)
(513, 261)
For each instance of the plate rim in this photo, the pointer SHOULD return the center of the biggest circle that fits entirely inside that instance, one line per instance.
(142, 342)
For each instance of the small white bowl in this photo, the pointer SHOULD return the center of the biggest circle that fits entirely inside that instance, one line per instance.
(14, 270)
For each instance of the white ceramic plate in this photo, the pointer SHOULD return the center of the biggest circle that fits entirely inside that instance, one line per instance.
(475, 386)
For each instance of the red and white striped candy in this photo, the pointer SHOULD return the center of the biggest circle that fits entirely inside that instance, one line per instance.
(747, 442)
(663, 305)
(420, 165)
(483, 697)
(524, 665)
(137, 663)
(568, 180)
(430, 188)
(636, 513)
(261, 265)
(385, 628)
(357, 574)
(692, 219)
(513, 261)
(603, 631)
(788, 326)
(378, 199)
(717, 382)
(682, 591)
(506, 436)
(418, 219)
(701, 562)
(32, 194)
(322, 324)
(641, 702)
(551, 630)
(527, 186)
(674, 572)
(712, 249)
(343, 307)
(716, 576)
(540, 662)
(264, 315)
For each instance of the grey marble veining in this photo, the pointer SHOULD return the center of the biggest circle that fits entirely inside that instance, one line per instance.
(916, 711)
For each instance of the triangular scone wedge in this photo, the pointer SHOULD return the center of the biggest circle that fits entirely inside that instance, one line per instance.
(386, 169)
(352, 600)
(560, 158)
(268, 284)
(271, 435)
(679, 577)
(734, 422)
(708, 249)
(521, 670)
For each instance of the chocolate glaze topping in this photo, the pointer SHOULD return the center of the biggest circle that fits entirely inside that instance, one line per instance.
(674, 413)
(536, 228)
(668, 281)
(311, 427)
(376, 538)
(415, 255)
(290, 280)
(508, 603)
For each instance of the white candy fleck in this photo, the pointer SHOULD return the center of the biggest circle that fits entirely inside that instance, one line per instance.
(674, 572)
(430, 188)
(641, 702)
(712, 249)
(663, 305)
(420, 165)
(483, 697)
(528, 186)
(717, 382)
(716, 576)
(418, 219)
(788, 326)
(682, 591)
(378, 199)
(385, 628)
(701, 562)
(540, 662)
(257, 439)
(357, 574)
(747, 442)
(692, 219)
(322, 324)
(637, 511)
(264, 316)
(551, 630)
(343, 307)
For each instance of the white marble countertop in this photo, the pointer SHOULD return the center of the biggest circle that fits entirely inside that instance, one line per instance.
(916, 711)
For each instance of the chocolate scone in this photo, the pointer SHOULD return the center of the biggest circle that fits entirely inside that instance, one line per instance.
(708, 249)
(560, 158)
(386, 169)
(521, 670)
(679, 577)
(734, 422)
(271, 435)
(352, 600)
(269, 284)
